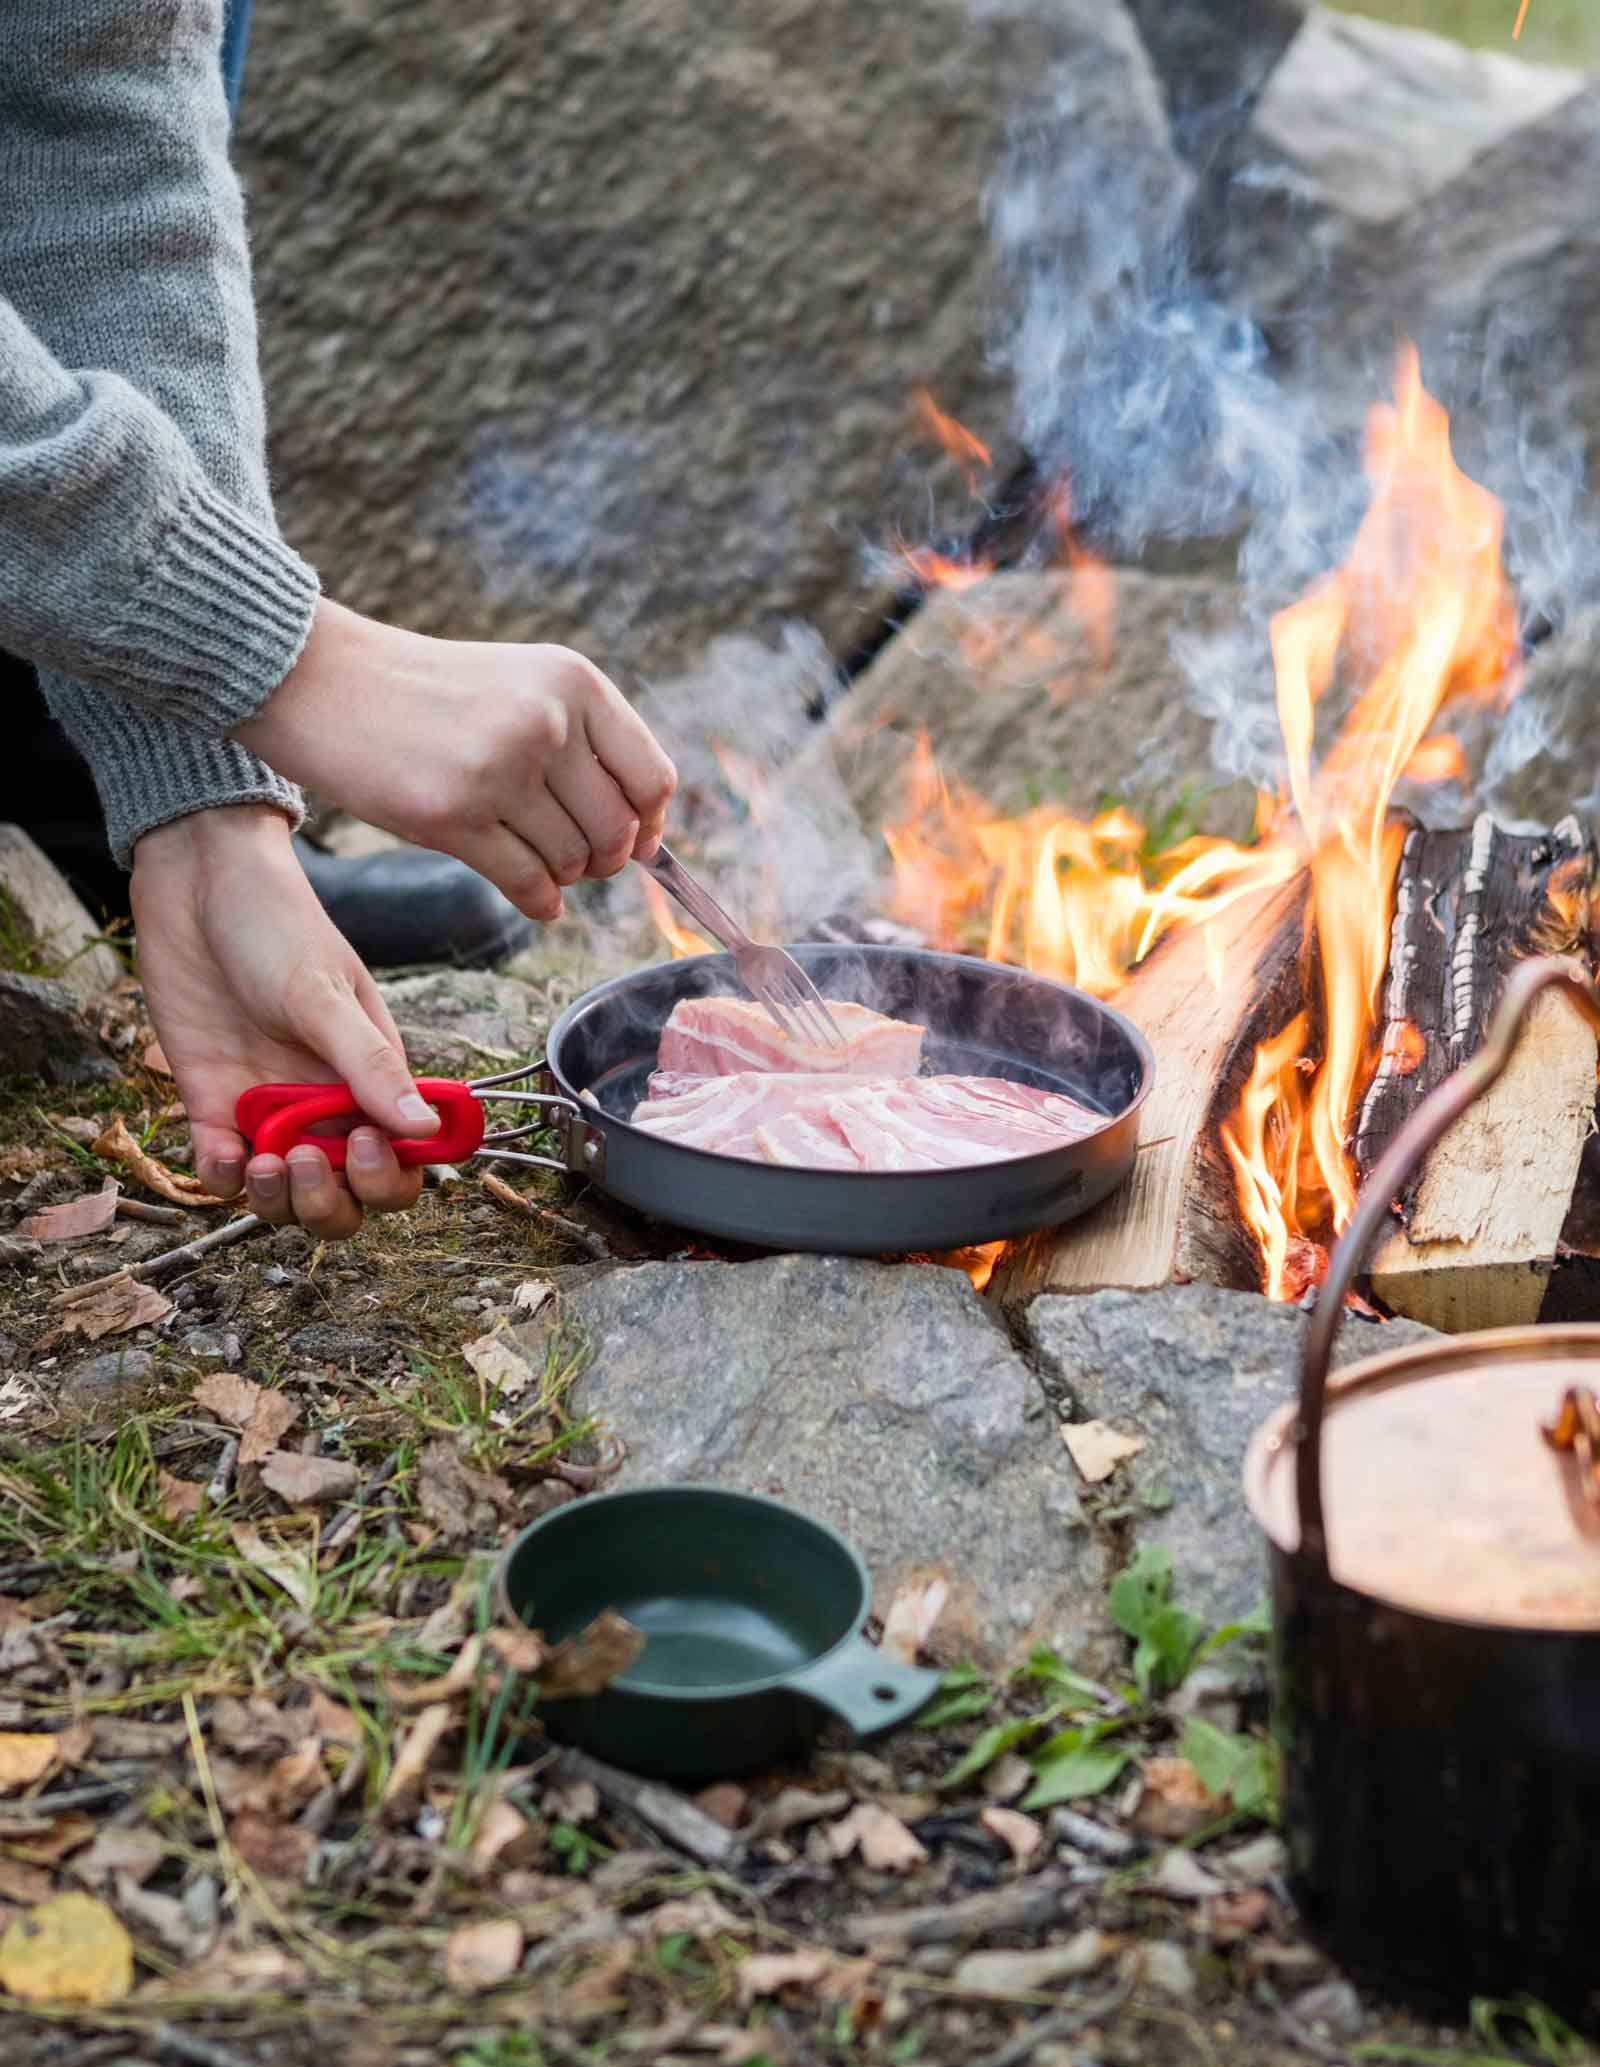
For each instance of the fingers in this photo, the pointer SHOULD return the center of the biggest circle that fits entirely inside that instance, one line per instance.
(219, 1158)
(546, 824)
(304, 1188)
(516, 870)
(329, 1016)
(608, 823)
(629, 752)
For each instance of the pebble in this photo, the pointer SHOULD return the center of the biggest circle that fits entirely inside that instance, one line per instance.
(101, 1377)
(1085, 1834)
(458, 1269)
(1181, 1875)
(1167, 1968)
(1332, 2007)
(1264, 1858)
(494, 1286)
(217, 1347)
(275, 1274)
(470, 1304)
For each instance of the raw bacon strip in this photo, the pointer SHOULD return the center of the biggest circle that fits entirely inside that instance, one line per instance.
(864, 1123)
(721, 1037)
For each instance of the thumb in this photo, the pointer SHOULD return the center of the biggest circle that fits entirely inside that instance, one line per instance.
(336, 1023)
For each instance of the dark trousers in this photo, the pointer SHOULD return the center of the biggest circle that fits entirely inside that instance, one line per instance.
(45, 785)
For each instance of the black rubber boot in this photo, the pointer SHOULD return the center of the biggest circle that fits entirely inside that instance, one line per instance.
(409, 905)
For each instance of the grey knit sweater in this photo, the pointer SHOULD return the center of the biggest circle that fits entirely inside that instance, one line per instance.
(140, 566)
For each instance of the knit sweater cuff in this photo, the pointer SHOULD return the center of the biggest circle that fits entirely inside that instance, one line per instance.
(150, 770)
(217, 621)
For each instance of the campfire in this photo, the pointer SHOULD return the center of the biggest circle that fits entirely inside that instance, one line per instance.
(1305, 987)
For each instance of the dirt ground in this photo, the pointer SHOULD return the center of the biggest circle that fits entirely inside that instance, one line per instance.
(298, 1769)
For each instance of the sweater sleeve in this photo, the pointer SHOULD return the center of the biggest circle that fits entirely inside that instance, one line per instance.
(140, 563)
(120, 564)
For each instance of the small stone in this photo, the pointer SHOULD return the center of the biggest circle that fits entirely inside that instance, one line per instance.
(1264, 1858)
(1181, 1875)
(1094, 1839)
(329, 1344)
(1009, 1777)
(495, 1287)
(1332, 2008)
(101, 1378)
(275, 1274)
(1167, 1968)
(208, 1347)
(458, 1269)
(43, 1033)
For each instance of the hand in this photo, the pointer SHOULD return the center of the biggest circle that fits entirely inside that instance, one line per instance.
(248, 982)
(523, 761)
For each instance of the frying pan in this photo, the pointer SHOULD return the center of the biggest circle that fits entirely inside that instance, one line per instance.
(983, 1019)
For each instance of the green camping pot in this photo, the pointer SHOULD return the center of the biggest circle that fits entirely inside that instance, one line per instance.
(751, 1613)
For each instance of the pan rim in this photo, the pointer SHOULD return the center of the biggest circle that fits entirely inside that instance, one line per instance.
(939, 957)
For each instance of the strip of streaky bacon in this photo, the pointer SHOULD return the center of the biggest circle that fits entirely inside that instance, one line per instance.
(722, 1037)
(862, 1123)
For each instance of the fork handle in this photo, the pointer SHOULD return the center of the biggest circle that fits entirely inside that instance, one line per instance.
(696, 900)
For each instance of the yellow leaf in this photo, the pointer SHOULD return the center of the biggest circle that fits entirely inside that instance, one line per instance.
(1097, 1448)
(25, 1758)
(70, 1950)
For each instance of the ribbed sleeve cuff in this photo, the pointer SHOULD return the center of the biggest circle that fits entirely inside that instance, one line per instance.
(217, 621)
(150, 770)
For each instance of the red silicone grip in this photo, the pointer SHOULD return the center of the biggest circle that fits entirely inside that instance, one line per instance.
(274, 1118)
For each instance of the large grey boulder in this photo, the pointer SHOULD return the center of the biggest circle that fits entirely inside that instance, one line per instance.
(599, 324)
(466, 1022)
(883, 1398)
(37, 902)
(1192, 1371)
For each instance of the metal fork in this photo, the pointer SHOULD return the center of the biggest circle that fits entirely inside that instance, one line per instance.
(772, 977)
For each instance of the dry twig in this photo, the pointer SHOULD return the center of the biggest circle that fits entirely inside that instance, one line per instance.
(514, 1201)
(168, 1261)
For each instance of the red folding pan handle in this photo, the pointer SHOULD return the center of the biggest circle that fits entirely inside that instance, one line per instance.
(273, 1118)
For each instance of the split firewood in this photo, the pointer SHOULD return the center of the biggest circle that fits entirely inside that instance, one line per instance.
(1204, 999)
(1481, 1226)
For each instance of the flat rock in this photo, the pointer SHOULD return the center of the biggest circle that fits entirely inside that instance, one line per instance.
(99, 1379)
(43, 1033)
(883, 1398)
(466, 1021)
(36, 898)
(1193, 1370)
(1374, 118)
(1024, 706)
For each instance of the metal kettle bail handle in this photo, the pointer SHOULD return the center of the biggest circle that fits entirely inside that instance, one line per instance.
(583, 1156)
(1433, 1118)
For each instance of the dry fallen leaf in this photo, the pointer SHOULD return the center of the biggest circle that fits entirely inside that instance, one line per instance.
(179, 1499)
(308, 1481)
(25, 1758)
(271, 1847)
(497, 1362)
(70, 1950)
(725, 1803)
(229, 1397)
(416, 1749)
(333, 1722)
(119, 1146)
(463, 1671)
(1019, 1833)
(293, 1779)
(590, 1661)
(120, 1304)
(15, 1397)
(154, 1058)
(92, 1214)
(1175, 1801)
(275, 1414)
(293, 1574)
(766, 1973)
(69, 1832)
(794, 1806)
(457, 1500)
(133, 1854)
(531, 1294)
(503, 1831)
(519, 1650)
(571, 1801)
(1097, 1448)
(916, 1607)
(883, 1841)
(25, 1885)
(482, 1955)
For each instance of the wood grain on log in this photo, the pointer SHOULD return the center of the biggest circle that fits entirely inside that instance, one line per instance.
(1482, 1224)
(1203, 1005)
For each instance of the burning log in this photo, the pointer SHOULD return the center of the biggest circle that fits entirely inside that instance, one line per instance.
(1204, 1000)
(1482, 1227)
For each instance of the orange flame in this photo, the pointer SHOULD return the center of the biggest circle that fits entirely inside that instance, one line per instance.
(940, 571)
(1420, 614)
(940, 428)
(677, 936)
(1522, 16)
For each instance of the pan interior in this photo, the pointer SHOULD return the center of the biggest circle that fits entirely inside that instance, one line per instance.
(729, 1592)
(983, 1019)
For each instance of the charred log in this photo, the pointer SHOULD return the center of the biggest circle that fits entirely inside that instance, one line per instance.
(1481, 1227)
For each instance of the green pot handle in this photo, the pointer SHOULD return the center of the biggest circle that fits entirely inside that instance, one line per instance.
(867, 1690)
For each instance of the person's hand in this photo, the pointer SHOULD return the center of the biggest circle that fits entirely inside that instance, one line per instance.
(247, 982)
(525, 762)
